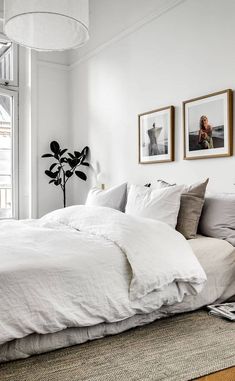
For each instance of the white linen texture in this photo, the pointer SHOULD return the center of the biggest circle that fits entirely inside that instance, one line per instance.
(217, 258)
(158, 204)
(81, 266)
(114, 197)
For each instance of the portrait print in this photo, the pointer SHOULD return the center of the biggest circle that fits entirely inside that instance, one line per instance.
(208, 126)
(156, 136)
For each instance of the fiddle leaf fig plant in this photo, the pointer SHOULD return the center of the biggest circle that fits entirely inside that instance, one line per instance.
(65, 166)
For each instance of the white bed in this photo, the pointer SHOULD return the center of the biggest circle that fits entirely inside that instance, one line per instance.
(47, 329)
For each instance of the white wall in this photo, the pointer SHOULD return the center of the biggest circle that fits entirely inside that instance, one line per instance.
(43, 116)
(109, 18)
(185, 53)
(24, 133)
(53, 123)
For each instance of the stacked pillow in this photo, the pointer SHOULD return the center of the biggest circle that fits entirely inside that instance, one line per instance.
(218, 217)
(162, 184)
(158, 204)
(191, 204)
(177, 205)
(114, 198)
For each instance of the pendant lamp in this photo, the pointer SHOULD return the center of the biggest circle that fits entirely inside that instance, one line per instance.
(47, 24)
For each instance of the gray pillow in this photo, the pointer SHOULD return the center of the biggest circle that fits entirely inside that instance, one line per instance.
(191, 203)
(218, 217)
(114, 198)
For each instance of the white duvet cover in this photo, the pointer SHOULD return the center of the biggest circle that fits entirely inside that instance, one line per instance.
(82, 266)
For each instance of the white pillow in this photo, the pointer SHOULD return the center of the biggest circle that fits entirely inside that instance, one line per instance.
(158, 204)
(114, 198)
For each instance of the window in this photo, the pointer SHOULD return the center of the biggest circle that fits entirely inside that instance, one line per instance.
(8, 131)
(8, 63)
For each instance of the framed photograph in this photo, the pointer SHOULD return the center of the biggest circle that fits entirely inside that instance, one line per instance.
(156, 136)
(208, 126)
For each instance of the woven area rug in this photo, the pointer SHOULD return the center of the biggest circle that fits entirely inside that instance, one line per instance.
(180, 348)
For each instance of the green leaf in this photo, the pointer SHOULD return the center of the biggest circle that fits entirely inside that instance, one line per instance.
(55, 147)
(52, 166)
(63, 151)
(85, 164)
(69, 173)
(47, 155)
(81, 175)
(51, 181)
(77, 154)
(72, 163)
(63, 160)
(52, 175)
(57, 182)
(85, 151)
(71, 155)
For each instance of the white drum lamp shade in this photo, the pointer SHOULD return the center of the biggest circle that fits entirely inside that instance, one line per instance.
(47, 24)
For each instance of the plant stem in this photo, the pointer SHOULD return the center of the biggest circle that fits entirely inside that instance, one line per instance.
(64, 196)
(64, 189)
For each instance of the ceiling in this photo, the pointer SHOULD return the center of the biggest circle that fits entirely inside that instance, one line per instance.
(109, 18)
(116, 15)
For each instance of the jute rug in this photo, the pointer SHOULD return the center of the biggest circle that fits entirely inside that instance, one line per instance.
(180, 348)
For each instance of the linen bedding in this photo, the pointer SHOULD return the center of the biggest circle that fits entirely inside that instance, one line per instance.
(84, 266)
(218, 260)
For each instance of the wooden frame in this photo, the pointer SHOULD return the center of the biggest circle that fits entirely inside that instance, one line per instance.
(229, 124)
(171, 137)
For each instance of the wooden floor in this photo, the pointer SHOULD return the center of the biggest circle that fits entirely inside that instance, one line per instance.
(224, 375)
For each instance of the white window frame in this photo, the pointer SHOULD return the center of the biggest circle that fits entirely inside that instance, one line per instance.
(15, 81)
(11, 88)
(14, 150)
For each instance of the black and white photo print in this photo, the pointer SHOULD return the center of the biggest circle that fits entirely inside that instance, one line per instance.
(156, 136)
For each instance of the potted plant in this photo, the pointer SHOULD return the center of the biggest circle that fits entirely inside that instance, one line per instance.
(65, 166)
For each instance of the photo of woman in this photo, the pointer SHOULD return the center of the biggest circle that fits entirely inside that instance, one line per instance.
(156, 135)
(205, 139)
(207, 123)
(154, 147)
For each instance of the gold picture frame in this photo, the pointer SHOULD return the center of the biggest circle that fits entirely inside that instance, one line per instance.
(208, 126)
(156, 131)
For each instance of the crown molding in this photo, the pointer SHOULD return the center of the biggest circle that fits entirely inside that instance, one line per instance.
(168, 5)
(53, 65)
